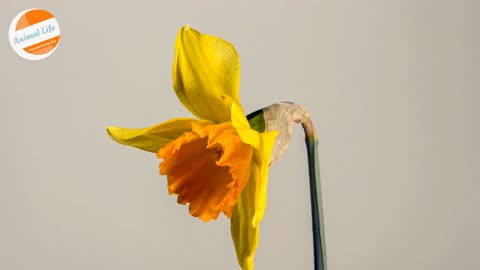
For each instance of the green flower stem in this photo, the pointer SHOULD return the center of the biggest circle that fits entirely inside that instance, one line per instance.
(318, 225)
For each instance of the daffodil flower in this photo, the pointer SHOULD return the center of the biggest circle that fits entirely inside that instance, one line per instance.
(216, 163)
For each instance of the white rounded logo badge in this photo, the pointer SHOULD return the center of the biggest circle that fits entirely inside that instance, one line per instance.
(34, 34)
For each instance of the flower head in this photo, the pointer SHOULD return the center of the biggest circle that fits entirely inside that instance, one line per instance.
(216, 163)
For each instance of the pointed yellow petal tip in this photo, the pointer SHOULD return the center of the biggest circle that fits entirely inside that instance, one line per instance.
(112, 131)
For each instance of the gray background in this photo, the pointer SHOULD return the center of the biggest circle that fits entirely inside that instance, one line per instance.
(393, 88)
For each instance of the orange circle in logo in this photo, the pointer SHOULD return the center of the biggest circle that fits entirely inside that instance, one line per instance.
(34, 34)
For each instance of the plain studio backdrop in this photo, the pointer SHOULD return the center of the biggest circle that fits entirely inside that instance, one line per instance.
(392, 87)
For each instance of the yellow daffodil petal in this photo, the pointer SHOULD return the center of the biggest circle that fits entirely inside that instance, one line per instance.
(250, 206)
(155, 137)
(240, 123)
(237, 117)
(264, 153)
(204, 69)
